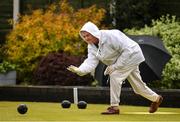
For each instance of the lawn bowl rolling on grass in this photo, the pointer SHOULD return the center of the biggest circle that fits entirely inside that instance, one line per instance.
(45, 111)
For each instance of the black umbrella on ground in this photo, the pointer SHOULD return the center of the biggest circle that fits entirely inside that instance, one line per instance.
(151, 69)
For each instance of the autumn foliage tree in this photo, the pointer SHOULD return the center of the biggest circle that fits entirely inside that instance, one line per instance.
(44, 31)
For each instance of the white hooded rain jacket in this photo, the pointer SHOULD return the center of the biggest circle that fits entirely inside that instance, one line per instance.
(114, 49)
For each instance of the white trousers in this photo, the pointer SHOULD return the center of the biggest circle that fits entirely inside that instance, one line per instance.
(132, 74)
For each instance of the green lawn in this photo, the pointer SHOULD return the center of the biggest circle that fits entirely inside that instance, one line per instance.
(44, 111)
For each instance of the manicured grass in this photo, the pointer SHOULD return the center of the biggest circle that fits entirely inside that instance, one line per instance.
(44, 111)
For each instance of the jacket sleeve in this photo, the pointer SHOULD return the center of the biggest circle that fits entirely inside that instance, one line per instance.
(90, 63)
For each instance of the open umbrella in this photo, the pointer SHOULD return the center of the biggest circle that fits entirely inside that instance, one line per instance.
(156, 57)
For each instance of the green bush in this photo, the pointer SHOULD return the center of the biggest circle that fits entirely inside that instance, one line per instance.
(168, 29)
(6, 66)
(54, 29)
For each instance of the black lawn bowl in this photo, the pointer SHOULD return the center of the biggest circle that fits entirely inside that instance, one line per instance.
(22, 109)
(82, 105)
(66, 104)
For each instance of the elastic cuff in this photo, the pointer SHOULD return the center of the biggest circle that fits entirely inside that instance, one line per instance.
(113, 67)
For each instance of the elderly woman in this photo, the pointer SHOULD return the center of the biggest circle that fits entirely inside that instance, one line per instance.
(122, 57)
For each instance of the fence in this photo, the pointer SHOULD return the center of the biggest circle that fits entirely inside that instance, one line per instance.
(97, 95)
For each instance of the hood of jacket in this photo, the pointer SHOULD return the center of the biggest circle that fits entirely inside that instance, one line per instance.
(92, 29)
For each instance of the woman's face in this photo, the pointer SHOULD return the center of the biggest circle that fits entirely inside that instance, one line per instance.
(90, 39)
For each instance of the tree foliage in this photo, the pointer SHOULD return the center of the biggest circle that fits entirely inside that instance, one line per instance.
(135, 13)
(44, 31)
